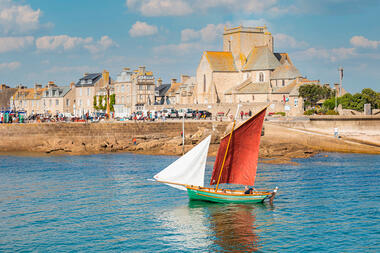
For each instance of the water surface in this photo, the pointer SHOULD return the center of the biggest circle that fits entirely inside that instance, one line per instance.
(105, 203)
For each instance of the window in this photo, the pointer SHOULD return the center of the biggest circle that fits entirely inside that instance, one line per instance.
(204, 83)
(283, 82)
(88, 102)
(88, 91)
(50, 102)
(122, 88)
(67, 102)
(80, 91)
(261, 77)
(140, 87)
(122, 99)
(56, 102)
(148, 87)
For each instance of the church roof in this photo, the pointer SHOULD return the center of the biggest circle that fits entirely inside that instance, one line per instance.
(221, 61)
(285, 71)
(249, 87)
(261, 58)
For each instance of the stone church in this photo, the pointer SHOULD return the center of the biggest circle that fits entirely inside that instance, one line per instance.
(247, 70)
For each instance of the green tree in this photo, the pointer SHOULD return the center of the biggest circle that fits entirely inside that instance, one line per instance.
(312, 93)
(112, 102)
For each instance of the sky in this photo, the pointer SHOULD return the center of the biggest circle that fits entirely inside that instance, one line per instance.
(58, 41)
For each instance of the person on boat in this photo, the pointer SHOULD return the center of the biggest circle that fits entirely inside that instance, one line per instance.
(248, 190)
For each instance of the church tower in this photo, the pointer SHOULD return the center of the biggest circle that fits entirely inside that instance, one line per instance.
(241, 40)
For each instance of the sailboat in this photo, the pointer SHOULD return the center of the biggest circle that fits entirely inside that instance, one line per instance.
(235, 163)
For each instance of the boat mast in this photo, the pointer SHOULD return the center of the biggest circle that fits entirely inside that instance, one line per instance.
(225, 154)
(183, 134)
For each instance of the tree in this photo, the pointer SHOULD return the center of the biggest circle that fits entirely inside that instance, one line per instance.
(312, 93)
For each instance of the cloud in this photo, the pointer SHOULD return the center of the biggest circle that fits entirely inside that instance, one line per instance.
(66, 43)
(332, 55)
(160, 7)
(209, 33)
(103, 44)
(142, 29)
(16, 18)
(10, 65)
(8, 44)
(285, 41)
(360, 41)
(186, 7)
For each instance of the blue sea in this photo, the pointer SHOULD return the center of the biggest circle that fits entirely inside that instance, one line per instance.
(105, 203)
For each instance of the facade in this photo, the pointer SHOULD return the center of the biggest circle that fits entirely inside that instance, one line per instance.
(86, 89)
(5, 94)
(134, 90)
(28, 99)
(248, 70)
(58, 99)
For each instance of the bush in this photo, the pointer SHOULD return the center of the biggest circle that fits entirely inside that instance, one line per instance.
(280, 113)
(309, 112)
(332, 112)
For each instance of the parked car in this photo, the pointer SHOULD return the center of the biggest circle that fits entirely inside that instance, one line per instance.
(185, 112)
(173, 114)
(205, 114)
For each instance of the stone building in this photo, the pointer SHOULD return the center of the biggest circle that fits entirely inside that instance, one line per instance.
(86, 89)
(247, 70)
(5, 94)
(134, 90)
(28, 99)
(58, 99)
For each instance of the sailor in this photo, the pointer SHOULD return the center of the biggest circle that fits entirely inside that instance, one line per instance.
(248, 190)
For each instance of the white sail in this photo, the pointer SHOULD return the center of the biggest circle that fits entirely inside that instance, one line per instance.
(189, 169)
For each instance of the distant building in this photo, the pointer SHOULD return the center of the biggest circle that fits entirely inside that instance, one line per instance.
(5, 94)
(134, 90)
(28, 99)
(86, 89)
(58, 99)
(247, 70)
(161, 89)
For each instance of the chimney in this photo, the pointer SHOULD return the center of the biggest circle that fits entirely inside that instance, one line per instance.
(142, 69)
(51, 84)
(37, 86)
(159, 82)
(126, 69)
(3, 86)
(184, 78)
(85, 74)
(106, 77)
(72, 84)
(174, 80)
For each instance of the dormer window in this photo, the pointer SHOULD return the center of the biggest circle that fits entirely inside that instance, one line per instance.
(83, 81)
(89, 81)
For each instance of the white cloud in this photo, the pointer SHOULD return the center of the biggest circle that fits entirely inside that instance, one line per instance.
(142, 29)
(65, 43)
(186, 7)
(10, 65)
(207, 34)
(285, 41)
(332, 55)
(160, 7)
(360, 41)
(103, 44)
(8, 44)
(16, 18)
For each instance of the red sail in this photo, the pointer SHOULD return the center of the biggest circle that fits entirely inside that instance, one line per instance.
(242, 155)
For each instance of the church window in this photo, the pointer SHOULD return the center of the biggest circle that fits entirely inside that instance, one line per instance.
(204, 83)
(261, 77)
(283, 82)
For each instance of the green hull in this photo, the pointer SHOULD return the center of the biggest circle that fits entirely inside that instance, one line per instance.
(220, 197)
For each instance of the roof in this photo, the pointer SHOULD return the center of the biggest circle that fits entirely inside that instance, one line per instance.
(249, 87)
(173, 88)
(162, 89)
(221, 61)
(29, 94)
(285, 71)
(62, 91)
(292, 88)
(283, 57)
(261, 58)
(93, 77)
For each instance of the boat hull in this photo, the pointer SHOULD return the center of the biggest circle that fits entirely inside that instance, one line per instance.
(206, 194)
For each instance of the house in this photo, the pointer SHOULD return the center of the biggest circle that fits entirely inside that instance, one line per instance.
(5, 94)
(58, 99)
(28, 99)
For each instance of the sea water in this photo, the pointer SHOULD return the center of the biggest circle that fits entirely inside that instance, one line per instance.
(106, 202)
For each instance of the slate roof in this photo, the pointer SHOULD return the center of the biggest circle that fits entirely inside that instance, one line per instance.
(60, 91)
(283, 57)
(162, 89)
(93, 77)
(249, 87)
(261, 58)
(221, 61)
(285, 71)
